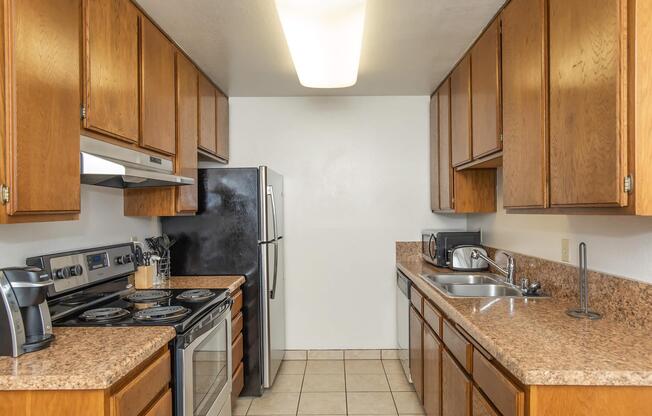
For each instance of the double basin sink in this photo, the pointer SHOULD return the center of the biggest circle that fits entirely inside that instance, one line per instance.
(473, 285)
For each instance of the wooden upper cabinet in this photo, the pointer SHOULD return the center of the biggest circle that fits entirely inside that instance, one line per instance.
(207, 116)
(485, 92)
(111, 68)
(39, 147)
(222, 125)
(157, 90)
(461, 112)
(434, 152)
(588, 145)
(524, 105)
(446, 201)
(187, 111)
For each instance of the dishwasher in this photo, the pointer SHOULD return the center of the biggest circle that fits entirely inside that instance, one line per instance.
(403, 286)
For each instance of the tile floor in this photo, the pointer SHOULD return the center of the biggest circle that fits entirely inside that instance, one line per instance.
(328, 383)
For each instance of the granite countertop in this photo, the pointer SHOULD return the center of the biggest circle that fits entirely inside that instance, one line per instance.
(203, 282)
(84, 358)
(539, 344)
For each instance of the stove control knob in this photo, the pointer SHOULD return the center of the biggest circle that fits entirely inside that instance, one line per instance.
(76, 270)
(62, 273)
(126, 259)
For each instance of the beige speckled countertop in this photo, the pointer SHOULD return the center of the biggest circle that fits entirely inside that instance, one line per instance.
(83, 358)
(203, 282)
(539, 344)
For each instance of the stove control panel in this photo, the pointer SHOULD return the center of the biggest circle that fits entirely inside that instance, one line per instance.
(75, 269)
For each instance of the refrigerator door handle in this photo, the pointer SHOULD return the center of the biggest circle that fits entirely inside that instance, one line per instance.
(270, 193)
(272, 294)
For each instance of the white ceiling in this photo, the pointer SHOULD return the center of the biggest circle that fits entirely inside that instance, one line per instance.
(407, 49)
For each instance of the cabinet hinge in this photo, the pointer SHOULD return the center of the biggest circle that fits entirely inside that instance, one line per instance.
(82, 112)
(4, 194)
(629, 184)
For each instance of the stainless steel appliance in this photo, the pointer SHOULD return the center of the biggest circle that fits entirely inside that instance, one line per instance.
(106, 164)
(461, 258)
(239, 229)
(403, 286)
(25, 324)
(92, 288)
(436, 245)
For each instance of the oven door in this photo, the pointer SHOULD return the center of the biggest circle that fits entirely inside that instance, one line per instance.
(429, 247)
(203, 382)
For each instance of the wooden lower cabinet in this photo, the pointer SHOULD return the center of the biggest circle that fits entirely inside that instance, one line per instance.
(145, 391)
(237, 345)
(431, 372)
(455, 387)
(481, 406)
(416, 352)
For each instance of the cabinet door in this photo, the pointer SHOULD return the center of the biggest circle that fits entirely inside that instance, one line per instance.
(485, 92)
(587, 138)
(157, 93)
(481, 406)
(111, 68)
(461, 112)
(207, 116)
(456, 388)
(524, 107)
(187, 113)
(446, 200)
(434, 152)
(40, 153)
(431, 373)
(416, 352)
(222, 104)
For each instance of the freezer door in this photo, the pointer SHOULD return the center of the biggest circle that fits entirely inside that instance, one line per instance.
(273, 309)
(272, 224)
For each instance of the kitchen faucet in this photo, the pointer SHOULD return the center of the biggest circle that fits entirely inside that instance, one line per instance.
(509, 272)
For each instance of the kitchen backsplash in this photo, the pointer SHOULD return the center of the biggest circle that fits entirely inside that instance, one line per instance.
(620, 298)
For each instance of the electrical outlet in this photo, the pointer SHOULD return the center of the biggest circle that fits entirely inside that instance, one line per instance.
(565, 251)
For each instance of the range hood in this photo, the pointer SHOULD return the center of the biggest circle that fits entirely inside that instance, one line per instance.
(106, 164)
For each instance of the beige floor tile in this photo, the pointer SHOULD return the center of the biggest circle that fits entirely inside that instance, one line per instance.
(322, 404)
(241, 406)
(325, 355)
(316, 383)
(370, 404)
(292, 367)
(366, 382)
(295, 355)
(408, 403)
(364, 367)
(362, 354)
(390, 355)
(325, 367)
(398, 382)
(287, 383)
(393, 367)
(274, 404)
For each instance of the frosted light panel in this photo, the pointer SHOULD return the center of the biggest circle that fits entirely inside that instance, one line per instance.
(325, 39)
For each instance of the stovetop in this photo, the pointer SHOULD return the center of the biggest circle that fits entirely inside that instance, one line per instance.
(117, 304)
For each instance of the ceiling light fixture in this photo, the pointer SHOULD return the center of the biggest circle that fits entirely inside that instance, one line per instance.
(325, 39)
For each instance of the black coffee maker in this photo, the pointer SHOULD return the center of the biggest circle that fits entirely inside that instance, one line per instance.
(25, 323)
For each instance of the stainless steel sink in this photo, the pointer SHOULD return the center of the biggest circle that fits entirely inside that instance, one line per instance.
(491, 290)
(463, 279)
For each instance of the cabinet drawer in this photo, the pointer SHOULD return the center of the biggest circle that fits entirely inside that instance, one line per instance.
(237, 352)
(459, 346)
(139, 392)
(236, 326)
(481, 406)
(238, 382)
(237, 302)
(163, 407)
(432, 316)
(455, 387)
(417, 299)
(504, 394)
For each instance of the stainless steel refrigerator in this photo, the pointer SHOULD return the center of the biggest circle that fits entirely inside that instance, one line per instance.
(239, 229)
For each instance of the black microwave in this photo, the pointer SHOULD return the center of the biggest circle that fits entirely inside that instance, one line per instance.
(436, 244)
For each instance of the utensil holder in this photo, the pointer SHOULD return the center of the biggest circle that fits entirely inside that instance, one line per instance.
(164, 268)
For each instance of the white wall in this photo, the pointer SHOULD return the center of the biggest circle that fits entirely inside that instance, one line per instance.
(356, 175)
(101, 222)
(618, 245)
